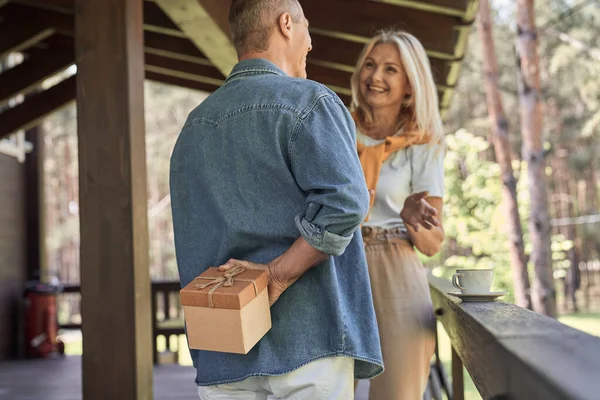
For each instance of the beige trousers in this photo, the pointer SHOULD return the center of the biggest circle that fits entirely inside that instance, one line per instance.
(404, 314)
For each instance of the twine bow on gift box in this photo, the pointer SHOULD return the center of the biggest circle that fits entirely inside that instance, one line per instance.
(226, 281)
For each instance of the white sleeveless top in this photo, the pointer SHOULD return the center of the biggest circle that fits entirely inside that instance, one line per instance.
(411, 170)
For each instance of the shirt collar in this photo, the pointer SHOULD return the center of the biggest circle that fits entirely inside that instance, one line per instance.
(254, 66)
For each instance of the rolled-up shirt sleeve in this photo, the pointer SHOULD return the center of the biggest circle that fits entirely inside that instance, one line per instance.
(325, 165)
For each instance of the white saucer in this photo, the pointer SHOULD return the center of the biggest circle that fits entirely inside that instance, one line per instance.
(490, 296)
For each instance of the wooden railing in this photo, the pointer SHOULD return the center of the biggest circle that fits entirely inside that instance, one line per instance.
(509, 352)
(167, 316)
(513, 353)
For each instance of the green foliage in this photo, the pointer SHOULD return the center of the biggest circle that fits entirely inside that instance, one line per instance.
(474, 219)
(570, 73)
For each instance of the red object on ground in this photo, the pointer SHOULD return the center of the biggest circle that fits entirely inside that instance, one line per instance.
(41, 322)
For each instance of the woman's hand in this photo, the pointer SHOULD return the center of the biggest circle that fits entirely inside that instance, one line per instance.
(418, 212)
(277, 285)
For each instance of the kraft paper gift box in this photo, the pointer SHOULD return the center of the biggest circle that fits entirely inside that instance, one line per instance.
(226, 311)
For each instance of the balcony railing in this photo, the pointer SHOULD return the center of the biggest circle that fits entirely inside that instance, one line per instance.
(513, 353)
(509, 352)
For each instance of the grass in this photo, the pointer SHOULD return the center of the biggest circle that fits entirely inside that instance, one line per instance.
(589, 323)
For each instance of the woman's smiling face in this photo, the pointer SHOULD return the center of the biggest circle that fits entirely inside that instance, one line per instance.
(383, 80)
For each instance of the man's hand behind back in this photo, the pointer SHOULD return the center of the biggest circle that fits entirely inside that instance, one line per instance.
(285, 269)
(277, 285)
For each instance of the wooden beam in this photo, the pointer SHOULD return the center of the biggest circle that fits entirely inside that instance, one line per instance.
(57, 13)
(205, 24)
(174, 47)
(65, 6)
(183, 69)
(115, 281)
(454, 8)
(31, 73)
(30, 12)
(180, 82)
(154, 43)
(34, 204)
(196, 69)
(358, 20)
(328, 76)
(15, 36)
(161, 36)
(155, 20)
(29, 113)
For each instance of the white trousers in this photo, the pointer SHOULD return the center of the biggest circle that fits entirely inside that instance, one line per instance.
(329, 378)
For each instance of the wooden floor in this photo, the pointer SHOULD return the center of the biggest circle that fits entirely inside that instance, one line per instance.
(60, 379)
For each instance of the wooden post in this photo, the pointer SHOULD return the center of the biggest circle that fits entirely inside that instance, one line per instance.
(458, 386)
(34, 205)
(115, 281)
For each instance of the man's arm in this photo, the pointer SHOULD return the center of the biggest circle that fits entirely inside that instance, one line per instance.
(326, 166)
(324, 163)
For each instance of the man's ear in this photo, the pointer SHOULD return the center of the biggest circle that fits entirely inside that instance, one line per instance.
(285, 25)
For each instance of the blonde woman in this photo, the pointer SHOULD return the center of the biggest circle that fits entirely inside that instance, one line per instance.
(400, 146)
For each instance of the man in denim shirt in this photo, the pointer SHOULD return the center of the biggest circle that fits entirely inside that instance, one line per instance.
(265, 175)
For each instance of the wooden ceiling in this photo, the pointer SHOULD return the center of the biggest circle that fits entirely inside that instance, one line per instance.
(187, 44)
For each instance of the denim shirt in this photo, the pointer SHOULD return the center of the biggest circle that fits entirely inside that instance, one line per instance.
(264, 159)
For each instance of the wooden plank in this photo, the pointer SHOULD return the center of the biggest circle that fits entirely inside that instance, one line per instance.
(180, 82)
(34, 204)
(328, 76)
(205, 23)
(359, 20)
(31, 73)
(25, 14)
(191, 68)
(29, 113)
(13, 249)
(173, 47)
(60, 379)
(15, 36)
(115, 280)
(455, 8)
(513, 352)
(154, 43)
(154, 19)
(64, 6)
(458, 385)
(183, 69)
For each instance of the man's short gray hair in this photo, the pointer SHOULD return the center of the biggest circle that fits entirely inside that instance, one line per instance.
(252, 22)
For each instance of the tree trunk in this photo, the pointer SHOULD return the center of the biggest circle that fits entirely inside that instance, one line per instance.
(565, 207)
(499, 125)
(543, 292)
(565, 200)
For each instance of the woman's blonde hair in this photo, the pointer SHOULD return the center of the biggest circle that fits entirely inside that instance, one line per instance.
(422, 106)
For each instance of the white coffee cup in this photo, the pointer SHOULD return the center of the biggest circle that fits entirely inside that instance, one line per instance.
(473, 281)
